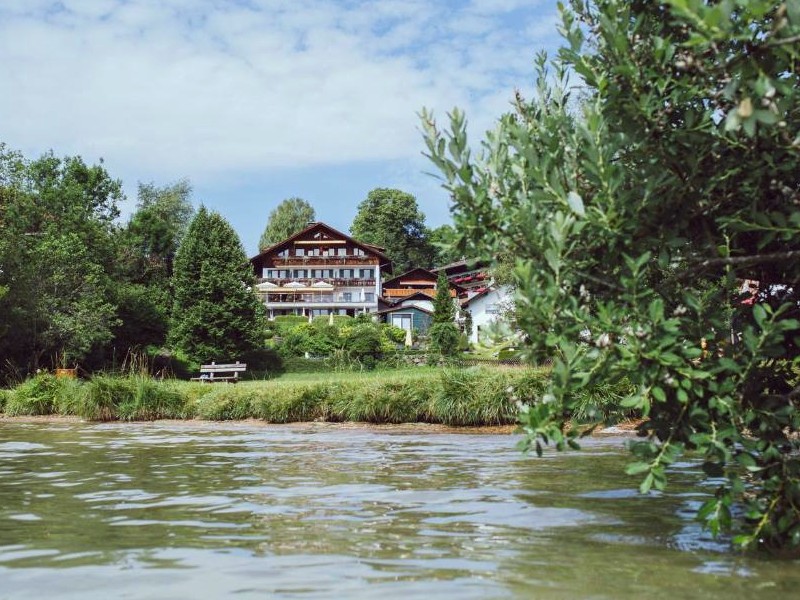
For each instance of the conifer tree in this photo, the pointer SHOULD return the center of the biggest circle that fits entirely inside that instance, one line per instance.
(444, 311)
(216, 315)
(443, 332)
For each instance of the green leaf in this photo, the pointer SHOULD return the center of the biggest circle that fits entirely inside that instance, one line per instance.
(645, 486)
(576, 204)
(636, 468)
(759, 314)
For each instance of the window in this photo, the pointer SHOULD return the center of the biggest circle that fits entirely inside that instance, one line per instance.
(358, 252)
(299, 251)
(347, 297)
(266, 273)
(341, 251)
(367, 273)
(347, 273)
(403, 321)
(369, 296)
(300, 273)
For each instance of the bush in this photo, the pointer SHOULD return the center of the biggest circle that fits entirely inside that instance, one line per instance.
(444, 338)
(34, 396)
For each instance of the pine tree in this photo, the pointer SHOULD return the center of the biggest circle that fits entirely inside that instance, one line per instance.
(216, 315)
(443, 332)
(444, 310)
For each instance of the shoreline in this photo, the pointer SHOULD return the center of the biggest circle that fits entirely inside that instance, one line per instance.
(625, 428)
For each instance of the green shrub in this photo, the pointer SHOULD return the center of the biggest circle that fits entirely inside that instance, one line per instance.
(34, 396)
(444, 338)
(284, 323)
(68, 396)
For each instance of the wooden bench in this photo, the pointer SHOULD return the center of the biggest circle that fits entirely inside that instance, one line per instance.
(225, 372)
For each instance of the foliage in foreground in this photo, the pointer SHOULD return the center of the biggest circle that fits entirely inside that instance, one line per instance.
(634, 222)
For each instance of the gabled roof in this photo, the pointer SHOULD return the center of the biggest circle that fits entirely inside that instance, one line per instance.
(425, 273)
(466, 264)
(402, 308)
(323, 226)
(420, 272)
(481, 293)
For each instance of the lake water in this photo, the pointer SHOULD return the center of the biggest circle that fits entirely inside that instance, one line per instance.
(158, 511)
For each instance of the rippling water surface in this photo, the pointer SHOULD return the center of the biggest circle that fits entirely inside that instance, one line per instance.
(207, 511)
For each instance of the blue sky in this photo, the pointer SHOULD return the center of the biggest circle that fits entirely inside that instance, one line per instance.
(255, 101)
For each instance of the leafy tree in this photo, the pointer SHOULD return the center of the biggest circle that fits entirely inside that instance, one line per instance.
(156, 228)
(216, 315)
(145, 255)
(289, 217)
(391, 219)
(631, 221)
(56, 259)
(442, 239)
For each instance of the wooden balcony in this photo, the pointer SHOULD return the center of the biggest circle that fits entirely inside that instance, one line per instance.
(323, 260)
(403, 292)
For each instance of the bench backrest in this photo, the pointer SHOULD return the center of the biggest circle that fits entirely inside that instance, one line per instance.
(224, 368)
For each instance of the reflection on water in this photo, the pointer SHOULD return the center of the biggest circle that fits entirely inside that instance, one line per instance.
(313, 511)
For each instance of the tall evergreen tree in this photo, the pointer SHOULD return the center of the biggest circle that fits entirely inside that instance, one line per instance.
(443, 332)
(216, 315)
(289, 217)
(444, 310)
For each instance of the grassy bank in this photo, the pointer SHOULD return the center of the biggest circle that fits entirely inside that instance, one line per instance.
(474, 396)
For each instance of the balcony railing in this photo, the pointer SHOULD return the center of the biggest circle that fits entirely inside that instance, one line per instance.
(309, 281)
(403, 292)
(323, 260)
(306, 298)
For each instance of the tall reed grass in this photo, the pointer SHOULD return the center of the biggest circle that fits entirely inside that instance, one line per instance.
(460, 397)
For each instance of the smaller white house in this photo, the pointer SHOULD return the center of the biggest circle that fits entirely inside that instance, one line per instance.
(487, 307)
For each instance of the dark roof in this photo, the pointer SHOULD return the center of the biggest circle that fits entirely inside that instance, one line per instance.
(419, 295)
(396, 308)
(387, 284)
(431, 274)
(320, 225)
(467, 264)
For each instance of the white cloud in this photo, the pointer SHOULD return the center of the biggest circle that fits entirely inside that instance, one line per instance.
(199, 87)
